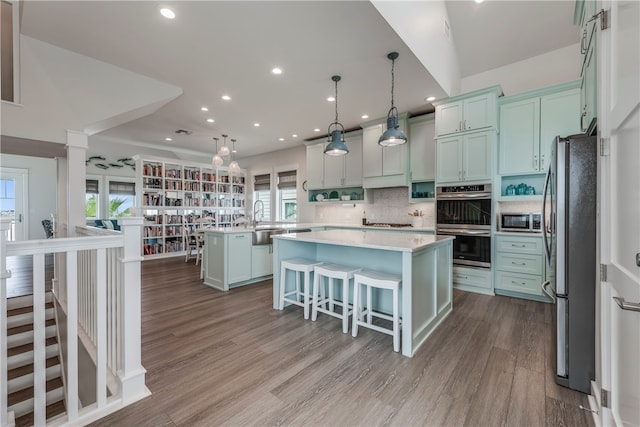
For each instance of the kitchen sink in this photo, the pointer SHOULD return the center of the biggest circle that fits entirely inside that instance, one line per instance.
(262, 236)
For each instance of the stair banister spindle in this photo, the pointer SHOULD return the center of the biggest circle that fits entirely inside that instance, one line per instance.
(72, 331)
(101, 327)
(39, 344)
(4, 274)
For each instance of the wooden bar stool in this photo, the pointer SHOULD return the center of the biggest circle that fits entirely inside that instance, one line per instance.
(375, 279)
(302, 290)
(332, 272)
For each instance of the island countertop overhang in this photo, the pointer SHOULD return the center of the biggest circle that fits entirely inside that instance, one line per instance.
(402, 242)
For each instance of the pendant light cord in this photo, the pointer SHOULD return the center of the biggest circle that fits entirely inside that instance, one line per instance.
(393, 65)
(336, 101)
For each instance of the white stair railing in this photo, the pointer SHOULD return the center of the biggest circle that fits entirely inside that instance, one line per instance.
(101, 301)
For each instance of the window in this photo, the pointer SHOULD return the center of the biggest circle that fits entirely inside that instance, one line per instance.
(121, 198)
(287, 194)
(92, 198)
(262, 192)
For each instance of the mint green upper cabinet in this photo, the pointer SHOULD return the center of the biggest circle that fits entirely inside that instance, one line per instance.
(335, 171)
(371, 151)
(353, 162)
(529, 124)
(520, 136)
(588, 88)
(559, 116)
(473, 113)
(315, 166)
(422, 149)
(383, 166)
(465, 157)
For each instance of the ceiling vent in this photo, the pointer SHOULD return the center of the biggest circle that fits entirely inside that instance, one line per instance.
(184, 132)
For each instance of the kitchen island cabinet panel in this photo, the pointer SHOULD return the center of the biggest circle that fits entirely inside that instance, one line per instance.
(424, 261)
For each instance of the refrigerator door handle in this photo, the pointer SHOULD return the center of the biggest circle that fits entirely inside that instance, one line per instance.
(544, 215)
(548, 293)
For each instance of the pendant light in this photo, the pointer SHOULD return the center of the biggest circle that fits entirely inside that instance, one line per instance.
(234, 167)
(392, 136)
(224, 150)
(217, 160)
(337, 145)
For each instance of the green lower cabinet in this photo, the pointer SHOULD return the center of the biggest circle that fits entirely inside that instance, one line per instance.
(261, 261)
(519, 266)
(237, 257)
(473, 280)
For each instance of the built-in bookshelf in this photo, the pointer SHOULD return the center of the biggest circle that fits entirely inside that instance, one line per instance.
(171, 195)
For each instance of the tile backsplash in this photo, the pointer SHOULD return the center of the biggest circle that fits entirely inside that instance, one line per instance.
(389, 205)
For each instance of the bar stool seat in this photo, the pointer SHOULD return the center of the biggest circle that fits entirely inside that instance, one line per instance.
(375, 279)
(318, 304)
(302, 291)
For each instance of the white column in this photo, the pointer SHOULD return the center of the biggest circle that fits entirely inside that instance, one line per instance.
(60, 266)
(131, 374)
(77, 143)
(5, 418)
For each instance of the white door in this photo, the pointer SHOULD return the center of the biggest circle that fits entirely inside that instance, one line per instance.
(619, 123)
(13, 201)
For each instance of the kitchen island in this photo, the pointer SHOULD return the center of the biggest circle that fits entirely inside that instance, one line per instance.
(424, 261)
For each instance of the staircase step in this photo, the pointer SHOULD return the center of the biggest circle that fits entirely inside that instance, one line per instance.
(17, 340)
(28, 369)
(28, 347)
(21, 403)
(28, 327)
(26, 381)
(25, 301)
(53, 410)
(20, 318)
(20, 359)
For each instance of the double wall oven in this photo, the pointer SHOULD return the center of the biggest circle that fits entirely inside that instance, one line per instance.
(465, 211)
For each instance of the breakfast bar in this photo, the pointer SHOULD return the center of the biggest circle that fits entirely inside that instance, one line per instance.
(423, 261)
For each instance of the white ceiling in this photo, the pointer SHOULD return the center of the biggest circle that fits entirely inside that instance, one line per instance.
(229, 47)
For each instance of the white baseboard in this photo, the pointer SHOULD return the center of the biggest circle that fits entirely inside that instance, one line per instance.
(594, 403)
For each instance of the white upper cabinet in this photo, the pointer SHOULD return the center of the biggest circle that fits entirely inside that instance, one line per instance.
(468, 114)
(335, 171)
(422, 149)
(529, 125)
(371, 151)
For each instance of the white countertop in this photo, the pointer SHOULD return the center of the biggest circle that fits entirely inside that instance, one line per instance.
(404, 242)
(242, 229)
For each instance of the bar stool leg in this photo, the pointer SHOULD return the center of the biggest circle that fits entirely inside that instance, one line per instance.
(396, 321)
(345, 306)
(283, 272)
(369, 304)
(356, 309)
(314, 297)
(306, 295)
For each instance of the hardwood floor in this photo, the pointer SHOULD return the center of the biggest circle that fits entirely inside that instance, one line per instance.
(215, 358)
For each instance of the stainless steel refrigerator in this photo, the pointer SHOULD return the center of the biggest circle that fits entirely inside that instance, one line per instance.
(569, 212)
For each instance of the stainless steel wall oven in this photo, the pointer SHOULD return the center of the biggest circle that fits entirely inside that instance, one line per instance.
(466, 213)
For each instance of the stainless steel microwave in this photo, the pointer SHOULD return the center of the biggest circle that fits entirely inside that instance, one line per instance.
(527, 222)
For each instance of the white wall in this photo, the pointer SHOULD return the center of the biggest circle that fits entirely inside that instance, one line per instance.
(555, 67)
(275, 161)
(42, 189)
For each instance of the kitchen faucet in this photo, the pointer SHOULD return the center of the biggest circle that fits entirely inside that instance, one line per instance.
(255, 211)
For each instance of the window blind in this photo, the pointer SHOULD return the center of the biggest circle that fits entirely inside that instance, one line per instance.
(123, 188)
(287, 179)
(91, 186)
(262, 182)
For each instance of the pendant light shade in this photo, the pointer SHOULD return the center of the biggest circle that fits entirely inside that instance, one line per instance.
(224, 150)
(337, 145)
(393, 135)
(234, 167)
(217, 161)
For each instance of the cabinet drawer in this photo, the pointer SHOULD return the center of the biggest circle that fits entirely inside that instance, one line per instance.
(472, 277)
(519, 263)
(520, 245)
(525, 283)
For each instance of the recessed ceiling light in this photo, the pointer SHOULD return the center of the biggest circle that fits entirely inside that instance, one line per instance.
(280, 139)
(168, 139)
(364, 116)
(316, 130)
(431, 98)
(226, 97)
(256, 125)
(479, 1)
(204, 109)
(295, 135)
(277, 70)
(210, 120)
(167, 13)
(331, 99)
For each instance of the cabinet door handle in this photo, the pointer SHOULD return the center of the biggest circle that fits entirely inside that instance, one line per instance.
(465, 125)
(535, 162)
(240, 236)
(583, 46)
(459, 125)
(518, 283)
(518, 263)
(582, 116)
(518, 246)
(542, 164)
